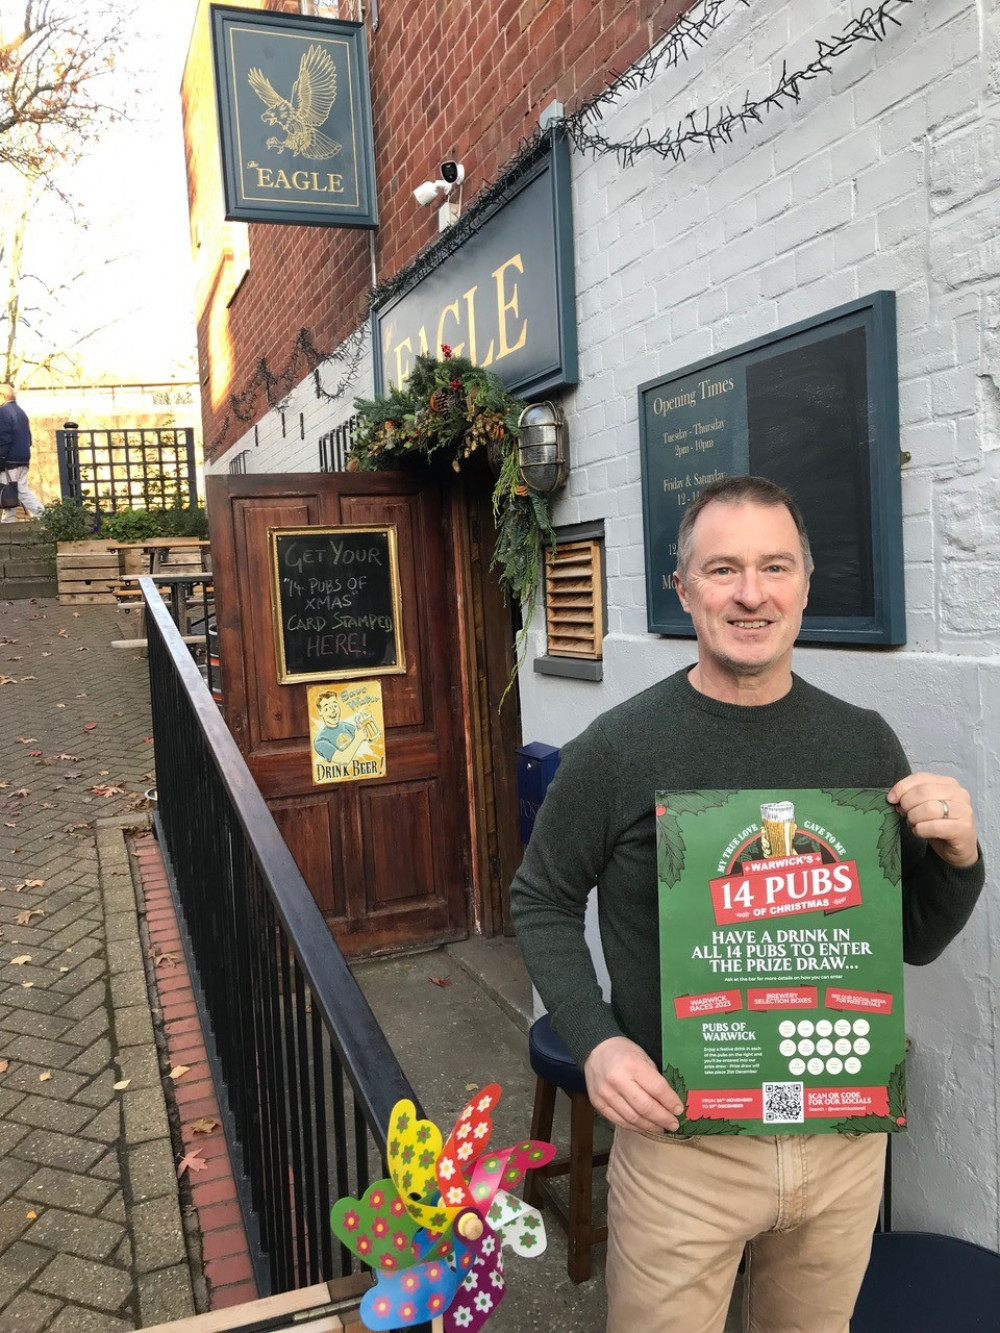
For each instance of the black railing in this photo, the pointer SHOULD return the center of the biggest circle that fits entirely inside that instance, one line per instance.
(130, 467)
(334, 447)
(305, 1075)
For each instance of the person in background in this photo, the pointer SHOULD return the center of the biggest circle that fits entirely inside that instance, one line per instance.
(682, 1210)
(15, 453)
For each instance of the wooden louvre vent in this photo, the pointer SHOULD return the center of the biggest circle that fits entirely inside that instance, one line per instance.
(574, 611)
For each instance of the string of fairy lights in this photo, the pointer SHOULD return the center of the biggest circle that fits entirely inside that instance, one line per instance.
(709, 127)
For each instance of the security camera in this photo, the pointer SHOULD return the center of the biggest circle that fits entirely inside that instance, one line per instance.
(426, 193)
(452, 173)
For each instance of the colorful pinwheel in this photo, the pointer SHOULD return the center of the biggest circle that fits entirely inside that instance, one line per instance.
(434, 1232)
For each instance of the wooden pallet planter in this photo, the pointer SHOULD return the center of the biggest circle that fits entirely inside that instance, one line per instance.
(86, 572)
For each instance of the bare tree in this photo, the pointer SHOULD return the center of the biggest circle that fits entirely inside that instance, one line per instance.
(51, 60)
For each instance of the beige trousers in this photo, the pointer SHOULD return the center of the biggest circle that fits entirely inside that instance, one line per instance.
(681, 1211)
(27, 497)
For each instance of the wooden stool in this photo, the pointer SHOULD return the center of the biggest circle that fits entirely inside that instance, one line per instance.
(556, 1070)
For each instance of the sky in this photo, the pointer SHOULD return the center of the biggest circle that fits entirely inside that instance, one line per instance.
(128, 238)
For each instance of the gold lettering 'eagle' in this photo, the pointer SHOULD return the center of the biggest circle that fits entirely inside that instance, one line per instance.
(313, 95)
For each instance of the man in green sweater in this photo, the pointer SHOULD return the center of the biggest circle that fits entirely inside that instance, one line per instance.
(682, 1210)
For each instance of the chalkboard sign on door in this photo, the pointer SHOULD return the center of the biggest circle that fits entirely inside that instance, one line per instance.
(335, 596)
(813, 407)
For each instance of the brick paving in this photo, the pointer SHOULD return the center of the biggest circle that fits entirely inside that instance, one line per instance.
(91, 1237)
(225, 1255)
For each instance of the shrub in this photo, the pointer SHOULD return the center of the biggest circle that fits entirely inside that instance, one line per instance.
(131, 525)
(181, 522)
(66, 521)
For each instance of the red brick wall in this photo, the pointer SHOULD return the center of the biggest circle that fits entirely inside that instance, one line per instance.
(462, 79)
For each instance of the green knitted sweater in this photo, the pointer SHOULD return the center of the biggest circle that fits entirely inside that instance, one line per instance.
(596, 827)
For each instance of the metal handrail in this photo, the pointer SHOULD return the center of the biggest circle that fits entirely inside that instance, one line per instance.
(286, 1018)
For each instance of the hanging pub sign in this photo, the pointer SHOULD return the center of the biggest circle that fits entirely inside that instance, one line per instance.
(294, 118)
(813, 407)
(346, 731)
(781, 960)
(336, 603)
(505, 297)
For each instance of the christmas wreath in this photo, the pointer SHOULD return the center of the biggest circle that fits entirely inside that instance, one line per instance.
(452, 410)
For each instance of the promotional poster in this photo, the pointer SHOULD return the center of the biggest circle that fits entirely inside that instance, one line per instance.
(781, 960)
(347, 731)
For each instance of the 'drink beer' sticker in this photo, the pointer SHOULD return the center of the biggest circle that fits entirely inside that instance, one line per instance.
(346, 731)
(781, 960)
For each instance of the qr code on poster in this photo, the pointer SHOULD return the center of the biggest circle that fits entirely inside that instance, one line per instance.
(783, 1104)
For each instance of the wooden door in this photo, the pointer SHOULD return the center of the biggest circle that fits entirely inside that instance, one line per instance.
(387, 859)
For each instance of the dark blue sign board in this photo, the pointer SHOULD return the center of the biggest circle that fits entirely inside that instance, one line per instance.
(813, 407)
(505, 299)
(294, 118)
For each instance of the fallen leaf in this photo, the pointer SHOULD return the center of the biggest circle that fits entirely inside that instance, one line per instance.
(441, 981)
(107, 791)
(25, 740)
(122, 1085)
(191, 1161)
(62, 634)
(31, 1214)
(203, 1125)
(34, 883)
(69, 758)
(60, 705)
(21, 791)
(148, 740)
(25, 918)
(165, 960)
(179, 1071)
(76, 615)
(21, 959)
(8, 680)
(46, 654)
(472, 1087)
(27, 985)
(45, 1078)
(88, 726)
(24, 678)
(64, 969)
(34, 754)
(4, 1066)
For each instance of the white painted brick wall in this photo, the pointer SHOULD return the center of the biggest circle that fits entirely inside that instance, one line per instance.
(884, 177)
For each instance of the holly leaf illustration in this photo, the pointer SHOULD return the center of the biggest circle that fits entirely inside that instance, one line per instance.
(864, 799)
(694, 802)
(889, 854)
(896, 1088)
(870, 1124)
(670, 847)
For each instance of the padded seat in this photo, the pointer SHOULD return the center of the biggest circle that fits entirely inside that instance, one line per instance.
(919, 1282)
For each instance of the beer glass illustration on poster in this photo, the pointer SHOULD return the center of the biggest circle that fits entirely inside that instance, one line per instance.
(781, 960)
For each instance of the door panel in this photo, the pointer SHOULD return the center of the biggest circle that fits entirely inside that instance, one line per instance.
(387, 859)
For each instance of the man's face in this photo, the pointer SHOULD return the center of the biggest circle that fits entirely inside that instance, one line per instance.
(745, 588)
(329, 710)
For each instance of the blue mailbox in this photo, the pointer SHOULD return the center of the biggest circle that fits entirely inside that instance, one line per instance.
(536, 767)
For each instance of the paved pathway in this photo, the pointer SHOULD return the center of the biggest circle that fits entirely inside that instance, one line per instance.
(90, 1231)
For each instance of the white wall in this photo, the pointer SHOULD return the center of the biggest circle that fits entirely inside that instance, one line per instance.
(292, 445)
(885, 176)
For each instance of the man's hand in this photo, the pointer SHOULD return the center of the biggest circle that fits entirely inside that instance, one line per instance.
(938, 809)
(628, 1089)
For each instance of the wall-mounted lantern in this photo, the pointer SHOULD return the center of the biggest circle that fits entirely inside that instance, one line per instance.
(542, 450)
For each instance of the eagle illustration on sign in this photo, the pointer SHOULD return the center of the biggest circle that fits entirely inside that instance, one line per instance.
(313, 95)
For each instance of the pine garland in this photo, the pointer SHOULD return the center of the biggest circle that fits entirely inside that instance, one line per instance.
(451, 410)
